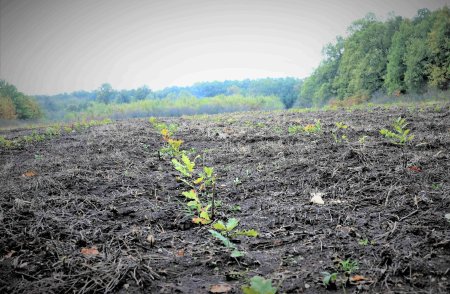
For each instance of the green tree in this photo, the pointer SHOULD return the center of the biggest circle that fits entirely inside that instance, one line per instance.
(105, 94)
(396, 68)
(416, 60)
(363, 66)
(319, 87)
(26, 107)
(142, 93)
(7, 108)
(439, 45)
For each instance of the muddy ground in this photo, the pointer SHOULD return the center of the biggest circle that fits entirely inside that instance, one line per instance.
(106, 190)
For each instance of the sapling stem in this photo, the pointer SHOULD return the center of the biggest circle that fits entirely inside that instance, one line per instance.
(213, 198)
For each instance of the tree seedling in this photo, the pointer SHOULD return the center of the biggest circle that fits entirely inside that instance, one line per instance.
(362, 139)
(227, 230)
(172, 149)
(338, 133)
(399, 135)
(363, 242)
(342, 274)
(227, 243)
(294, 129)
(6, 143)
(348, 266)
(313, 128)
(259, 285)
(329, 278)
(207, 185)
(195, 204)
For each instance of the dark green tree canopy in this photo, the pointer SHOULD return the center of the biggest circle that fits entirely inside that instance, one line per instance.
(394, 56)
(14, 104)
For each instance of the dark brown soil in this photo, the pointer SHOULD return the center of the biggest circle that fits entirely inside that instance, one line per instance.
(107, 188)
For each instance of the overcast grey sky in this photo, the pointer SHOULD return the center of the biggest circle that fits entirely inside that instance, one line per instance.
(54, 46)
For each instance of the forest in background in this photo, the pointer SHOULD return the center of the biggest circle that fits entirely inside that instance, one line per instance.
(393, 57)
(204, 97)
(390, 59)
(16, 105)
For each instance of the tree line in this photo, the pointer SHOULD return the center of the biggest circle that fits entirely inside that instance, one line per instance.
(391, 57)
(286, 89)
(16, 105)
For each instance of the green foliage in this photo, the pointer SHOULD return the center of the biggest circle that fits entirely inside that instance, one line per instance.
(309, 129)
(396, 68)
(7, 108)
(6, 143)
(14, 104)
(50, 132)
(313, 128)
(295, 129)
(348, 266)
(395, 56)
(341, 275)
(235, 208)
(105, 93)
(363, 242)
(196, 204)
(206, 178)
(362, 139)
(172, 148)
(338, 133)
(53, 131)
(183, 105)
(439, 46)
(259, 285)
(400, 135)
(228, 230)
(225, 241)
(329, 278)
(185, 167)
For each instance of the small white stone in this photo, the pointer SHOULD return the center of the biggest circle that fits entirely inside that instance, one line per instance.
(317, 198)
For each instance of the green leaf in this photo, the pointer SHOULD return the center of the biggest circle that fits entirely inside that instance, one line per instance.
(219, 226)
(204, 214)
(231, 224)
(198, 181)
(248, 290)
(191, 195)
(237, 253)
(259, 285)
(188, 163)
(200, 220)
(208, 171)
(181, 168)
(193, 204)
(328, 278)
(222, 238)
(248, 233)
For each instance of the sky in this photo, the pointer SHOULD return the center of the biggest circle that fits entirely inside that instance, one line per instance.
(55, 46)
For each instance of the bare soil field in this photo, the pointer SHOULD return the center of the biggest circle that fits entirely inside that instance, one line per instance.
(101, 211)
